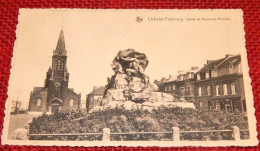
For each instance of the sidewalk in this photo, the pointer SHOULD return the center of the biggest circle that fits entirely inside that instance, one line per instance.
(18, 121)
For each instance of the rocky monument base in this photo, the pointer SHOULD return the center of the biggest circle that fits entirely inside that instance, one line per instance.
(130, 87)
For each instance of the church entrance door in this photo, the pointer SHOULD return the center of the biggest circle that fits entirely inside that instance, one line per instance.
(55, 108)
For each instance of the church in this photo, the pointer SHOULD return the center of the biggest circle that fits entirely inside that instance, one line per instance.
(55, 96)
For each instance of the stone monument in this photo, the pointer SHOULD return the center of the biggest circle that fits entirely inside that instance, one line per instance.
(130, 86)
(129, 81)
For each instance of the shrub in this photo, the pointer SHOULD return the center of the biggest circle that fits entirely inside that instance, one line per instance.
(161, 119)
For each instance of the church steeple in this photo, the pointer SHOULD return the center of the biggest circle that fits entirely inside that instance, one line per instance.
(59, 59)
(60, 48)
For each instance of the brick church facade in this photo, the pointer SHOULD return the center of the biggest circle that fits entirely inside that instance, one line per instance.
(55, 96)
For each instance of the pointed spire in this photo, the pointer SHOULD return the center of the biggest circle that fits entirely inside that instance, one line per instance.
(60, 48)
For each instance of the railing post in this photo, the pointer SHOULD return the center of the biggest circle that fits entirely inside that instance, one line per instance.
(175, 134)
(236, 132)
(106, 134)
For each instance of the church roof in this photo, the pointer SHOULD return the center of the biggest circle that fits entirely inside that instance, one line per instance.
(60, 48)
(36, 89)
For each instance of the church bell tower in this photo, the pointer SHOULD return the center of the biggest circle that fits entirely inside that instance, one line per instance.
(55, 96)
(58, 76)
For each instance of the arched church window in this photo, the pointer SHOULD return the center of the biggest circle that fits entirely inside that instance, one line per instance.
(59, 62)
(61, 65)
(71, 102)
(55, 64)
(39, 102)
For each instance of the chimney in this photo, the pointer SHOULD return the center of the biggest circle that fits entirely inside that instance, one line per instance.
(163, 79)
(194, 68)
(210, 61)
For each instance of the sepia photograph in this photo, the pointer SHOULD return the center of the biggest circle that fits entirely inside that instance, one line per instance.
(83, 77)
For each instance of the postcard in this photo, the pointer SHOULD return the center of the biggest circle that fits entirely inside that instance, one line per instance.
(130, 77)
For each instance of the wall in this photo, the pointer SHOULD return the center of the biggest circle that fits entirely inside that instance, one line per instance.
(226, 79)
(71, 95)
(42, 94)
(223, 71)
(93, 100)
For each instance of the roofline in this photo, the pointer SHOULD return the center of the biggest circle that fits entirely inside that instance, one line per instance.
(225, 58)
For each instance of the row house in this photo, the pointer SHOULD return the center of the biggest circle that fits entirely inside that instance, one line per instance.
(94, 98)
(219, 85)
(181, 86)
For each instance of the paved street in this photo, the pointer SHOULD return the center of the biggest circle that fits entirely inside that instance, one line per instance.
(18, 121)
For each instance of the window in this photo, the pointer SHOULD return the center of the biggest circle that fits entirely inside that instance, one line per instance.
(170, 88)
(217, 90)
(228, 105)
(233, 88)
(39, 102)
(198, 76)
(173, 87)
(189, 75)
(58, 65)
(231, 69)
(91, 101)
(55, 65)
(215, 72)
(71, 102)
(218, 105)
(208, 90)
(182, 90)
(61, 66)
(207, 74)
(166, 88)
(188, 90)
(225, 89)
(199, 91)
(181, 77)
(212, 73)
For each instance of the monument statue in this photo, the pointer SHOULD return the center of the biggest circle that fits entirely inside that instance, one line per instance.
(129, 77)
(130, 86)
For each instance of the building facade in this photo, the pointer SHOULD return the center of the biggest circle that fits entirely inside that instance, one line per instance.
(95, 97)
(219, 85)
(181, 86)
(55, 96)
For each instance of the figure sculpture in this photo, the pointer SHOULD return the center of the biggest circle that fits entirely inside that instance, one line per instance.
(128, 65)
(131, 63)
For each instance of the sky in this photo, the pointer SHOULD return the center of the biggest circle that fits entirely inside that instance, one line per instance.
(172, 40)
